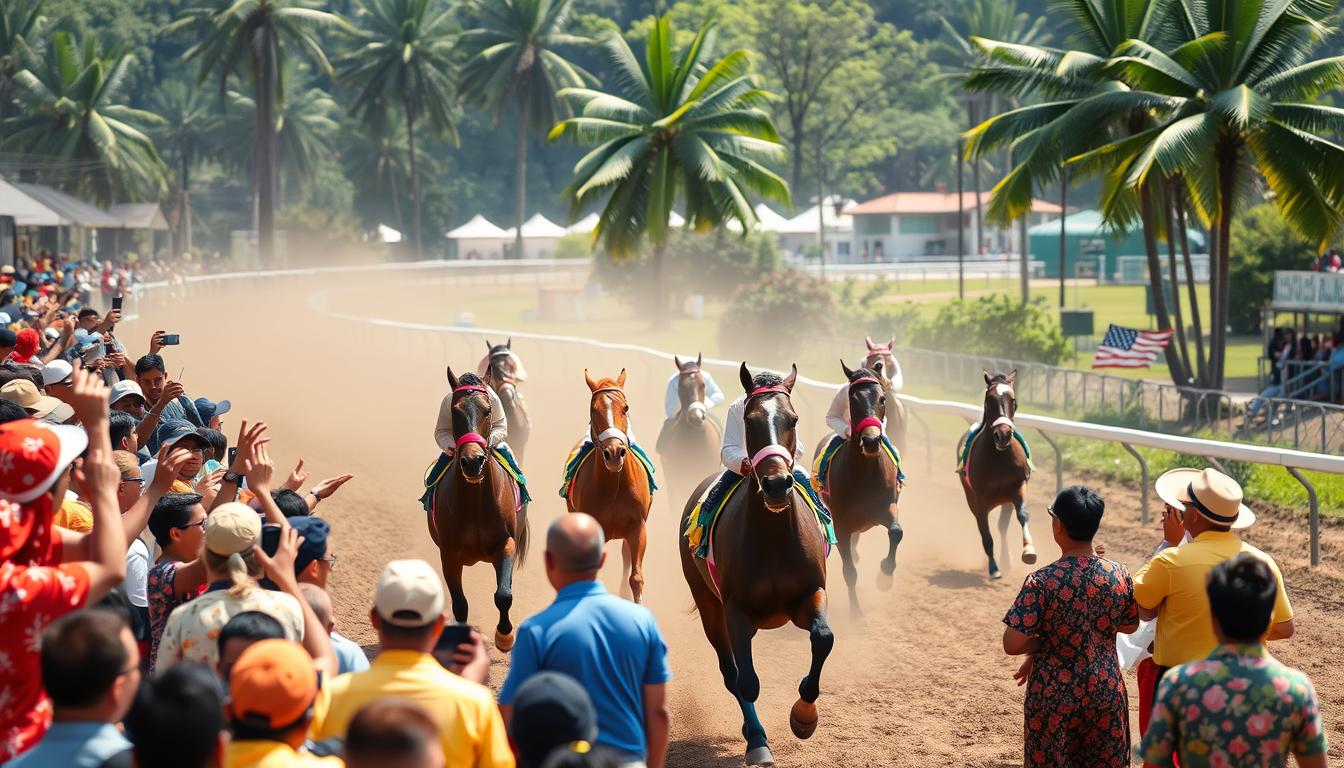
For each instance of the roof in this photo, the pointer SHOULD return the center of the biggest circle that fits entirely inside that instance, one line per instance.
(72, 209)
(27, 212)
(933, 202)
(1090, 223)
(139, 215)
(478, 228)
(387, 234)
(541, 227)
(584, 226)
(805, 223)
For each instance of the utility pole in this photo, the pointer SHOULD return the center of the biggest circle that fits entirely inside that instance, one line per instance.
(1063, 214)
(961, 222)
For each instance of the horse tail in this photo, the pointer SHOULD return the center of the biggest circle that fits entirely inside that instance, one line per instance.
(522, 536)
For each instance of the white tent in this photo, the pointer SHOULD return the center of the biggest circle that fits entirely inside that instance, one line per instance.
(766, 220)
(800, 232)
(480, 239)
(26, 210)
(584, 226)
(539, 237)
(675, 220)
(387, 234)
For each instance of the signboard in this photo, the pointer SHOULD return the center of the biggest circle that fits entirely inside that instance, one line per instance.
(1309, 292)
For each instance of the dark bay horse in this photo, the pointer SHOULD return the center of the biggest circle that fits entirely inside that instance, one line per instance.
(997, 469)
(477, 515)
(613, 486)
(897, 420)
(769, 557)
(502, 375)
(690, 441)
(863, 481)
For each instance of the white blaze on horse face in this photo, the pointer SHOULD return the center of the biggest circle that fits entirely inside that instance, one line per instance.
(1003, 390)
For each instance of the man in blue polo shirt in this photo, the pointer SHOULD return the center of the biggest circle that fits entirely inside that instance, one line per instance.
(612, 647)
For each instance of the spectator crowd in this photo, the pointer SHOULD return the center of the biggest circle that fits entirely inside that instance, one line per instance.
(163, 603)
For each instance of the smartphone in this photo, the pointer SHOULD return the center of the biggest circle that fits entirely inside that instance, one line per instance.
(171, 339)
(108, 349)
(233, 454)
(116, 303)
(453, 635)
(270, 539)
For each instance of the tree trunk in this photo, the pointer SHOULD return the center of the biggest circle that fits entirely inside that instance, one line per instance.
(1063, 231)
(396, 203)
(975, 184)
(184, 226)
(660, 313)
(520, 181)
(797, 153)
(415, 183)
(1181, 346)
(1178, 374)
(1201, 361)
(265, 91)
(961, 221)
(1227, 163)
(821, 216)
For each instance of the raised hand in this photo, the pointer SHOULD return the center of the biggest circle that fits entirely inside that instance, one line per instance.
(88, 397)
(171, 391)
(156, 342)
(297, 477)
(280, 568)
(260, 470)
(171, 462)
(324, 489)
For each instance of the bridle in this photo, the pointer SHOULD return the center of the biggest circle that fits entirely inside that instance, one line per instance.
(471, 437)
(1004, 418)
(611, 431)
(855, 427)
(773, 449)
(697, 405)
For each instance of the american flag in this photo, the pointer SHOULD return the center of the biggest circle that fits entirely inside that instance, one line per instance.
(1130, 348)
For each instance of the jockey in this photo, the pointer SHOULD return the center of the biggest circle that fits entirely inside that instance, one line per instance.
(734, 452)
(672, 400)
(443, 435)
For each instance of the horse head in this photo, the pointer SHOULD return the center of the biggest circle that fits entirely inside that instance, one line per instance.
(503, 368)
(691, 387)
(1000, 407)
(879, 355)
(771, 434)
(471, 424)
(609, 419)
(867, 406)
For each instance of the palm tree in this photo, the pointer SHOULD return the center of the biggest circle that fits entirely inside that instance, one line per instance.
(188, 125)
(511, 59)
(376, 161)
(684, 126)
(69, 111)
(1238, 103)
(249, 38)
(303, 129)
(403, 61)
(22, 33)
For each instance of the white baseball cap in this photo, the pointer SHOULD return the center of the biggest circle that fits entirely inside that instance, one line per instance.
(409, 594)
(125, 388)
(56, 372)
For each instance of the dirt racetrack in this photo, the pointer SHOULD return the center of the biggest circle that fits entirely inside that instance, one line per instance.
(922, 682)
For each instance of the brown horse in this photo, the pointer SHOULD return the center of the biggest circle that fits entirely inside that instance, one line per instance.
(997, 470)
(863, 481)
(501, 374)
(614, 488)
(769, 555)
(477, 516)
(690, 440)
(897, 421)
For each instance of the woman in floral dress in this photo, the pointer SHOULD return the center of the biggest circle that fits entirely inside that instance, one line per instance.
(179, 575)
(1065, 620)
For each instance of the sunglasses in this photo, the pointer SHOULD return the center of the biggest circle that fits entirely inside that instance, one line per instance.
(200, 522)
(330, 560)
(140, 481)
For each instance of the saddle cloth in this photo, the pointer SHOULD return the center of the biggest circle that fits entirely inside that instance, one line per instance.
(505, 459)
(821, 466)
(581, 453)
(963, 461)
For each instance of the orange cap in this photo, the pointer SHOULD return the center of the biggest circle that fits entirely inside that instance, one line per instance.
(272, 684)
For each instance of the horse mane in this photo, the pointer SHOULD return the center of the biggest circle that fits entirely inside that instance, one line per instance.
(998, 378)
(859, 373)
(469, 380)
(767, 379)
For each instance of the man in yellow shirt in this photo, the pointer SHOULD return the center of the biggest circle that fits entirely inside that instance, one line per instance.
(1172, 586)
(272, 689)
(408, 616)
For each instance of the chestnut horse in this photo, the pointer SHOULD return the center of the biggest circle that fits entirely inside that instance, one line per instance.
(690, 440)
(501, 374)
(477, 516)
(897, 421)
(769, 556)
(863, 485)
(997, 469)
(614, 488)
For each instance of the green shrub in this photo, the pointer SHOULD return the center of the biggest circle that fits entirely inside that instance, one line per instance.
(995, 325)
(1261, 242)
(765, 317)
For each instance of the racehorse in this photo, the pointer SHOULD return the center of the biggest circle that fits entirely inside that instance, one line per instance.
(690, 440)
(616, 490)
(897, 421)
(478, 513)
(767, 563)
(863, 483)
(996, 470)
(501, 374)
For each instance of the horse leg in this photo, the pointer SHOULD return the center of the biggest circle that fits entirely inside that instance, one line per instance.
(894, 535)
(741, 630)
(987, 541)
(626, 569)
(452, 574)
(504, 595)
(636, 539)
(803, 716)
(854, 547)
(1023, 517)
(845, 543)
(1005, 513)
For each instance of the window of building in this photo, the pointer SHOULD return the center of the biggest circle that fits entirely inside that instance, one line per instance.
(873, 225)
(919, 225)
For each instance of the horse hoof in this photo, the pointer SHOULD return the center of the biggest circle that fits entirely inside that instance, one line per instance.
(995, 573)
(803, 719)
(1029, 556)
(760, 757)
(504, 643)
(884, 581)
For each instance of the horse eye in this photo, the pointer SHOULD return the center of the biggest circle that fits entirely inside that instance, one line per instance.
(882, 400)
(626, 409)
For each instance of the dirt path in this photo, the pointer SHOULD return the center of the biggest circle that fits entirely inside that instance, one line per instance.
(923, 682)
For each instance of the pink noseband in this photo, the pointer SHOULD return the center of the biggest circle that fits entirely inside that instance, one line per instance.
(471, 437)
(868, 422)
(771, 451)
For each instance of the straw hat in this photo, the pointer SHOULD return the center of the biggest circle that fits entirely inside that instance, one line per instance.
(1215, 496)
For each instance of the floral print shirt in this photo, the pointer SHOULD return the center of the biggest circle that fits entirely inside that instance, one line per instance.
(1238, 708)
(159, 593)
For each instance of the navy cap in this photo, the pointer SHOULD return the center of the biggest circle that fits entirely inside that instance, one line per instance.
(174, 430)
(314, 531)
(8, 338)
(209, 410)
(550, 710)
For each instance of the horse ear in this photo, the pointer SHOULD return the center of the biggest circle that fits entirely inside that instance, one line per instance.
(452, 379)
(745, 376)
(488, 345)
(509, 343)
(1012, 376)
(592, 385)
(791, 378)
(676, 360)
(988, 378)
(891, 342)
(869, 341)
(620, 380)
(699, 359)
(848, 373)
